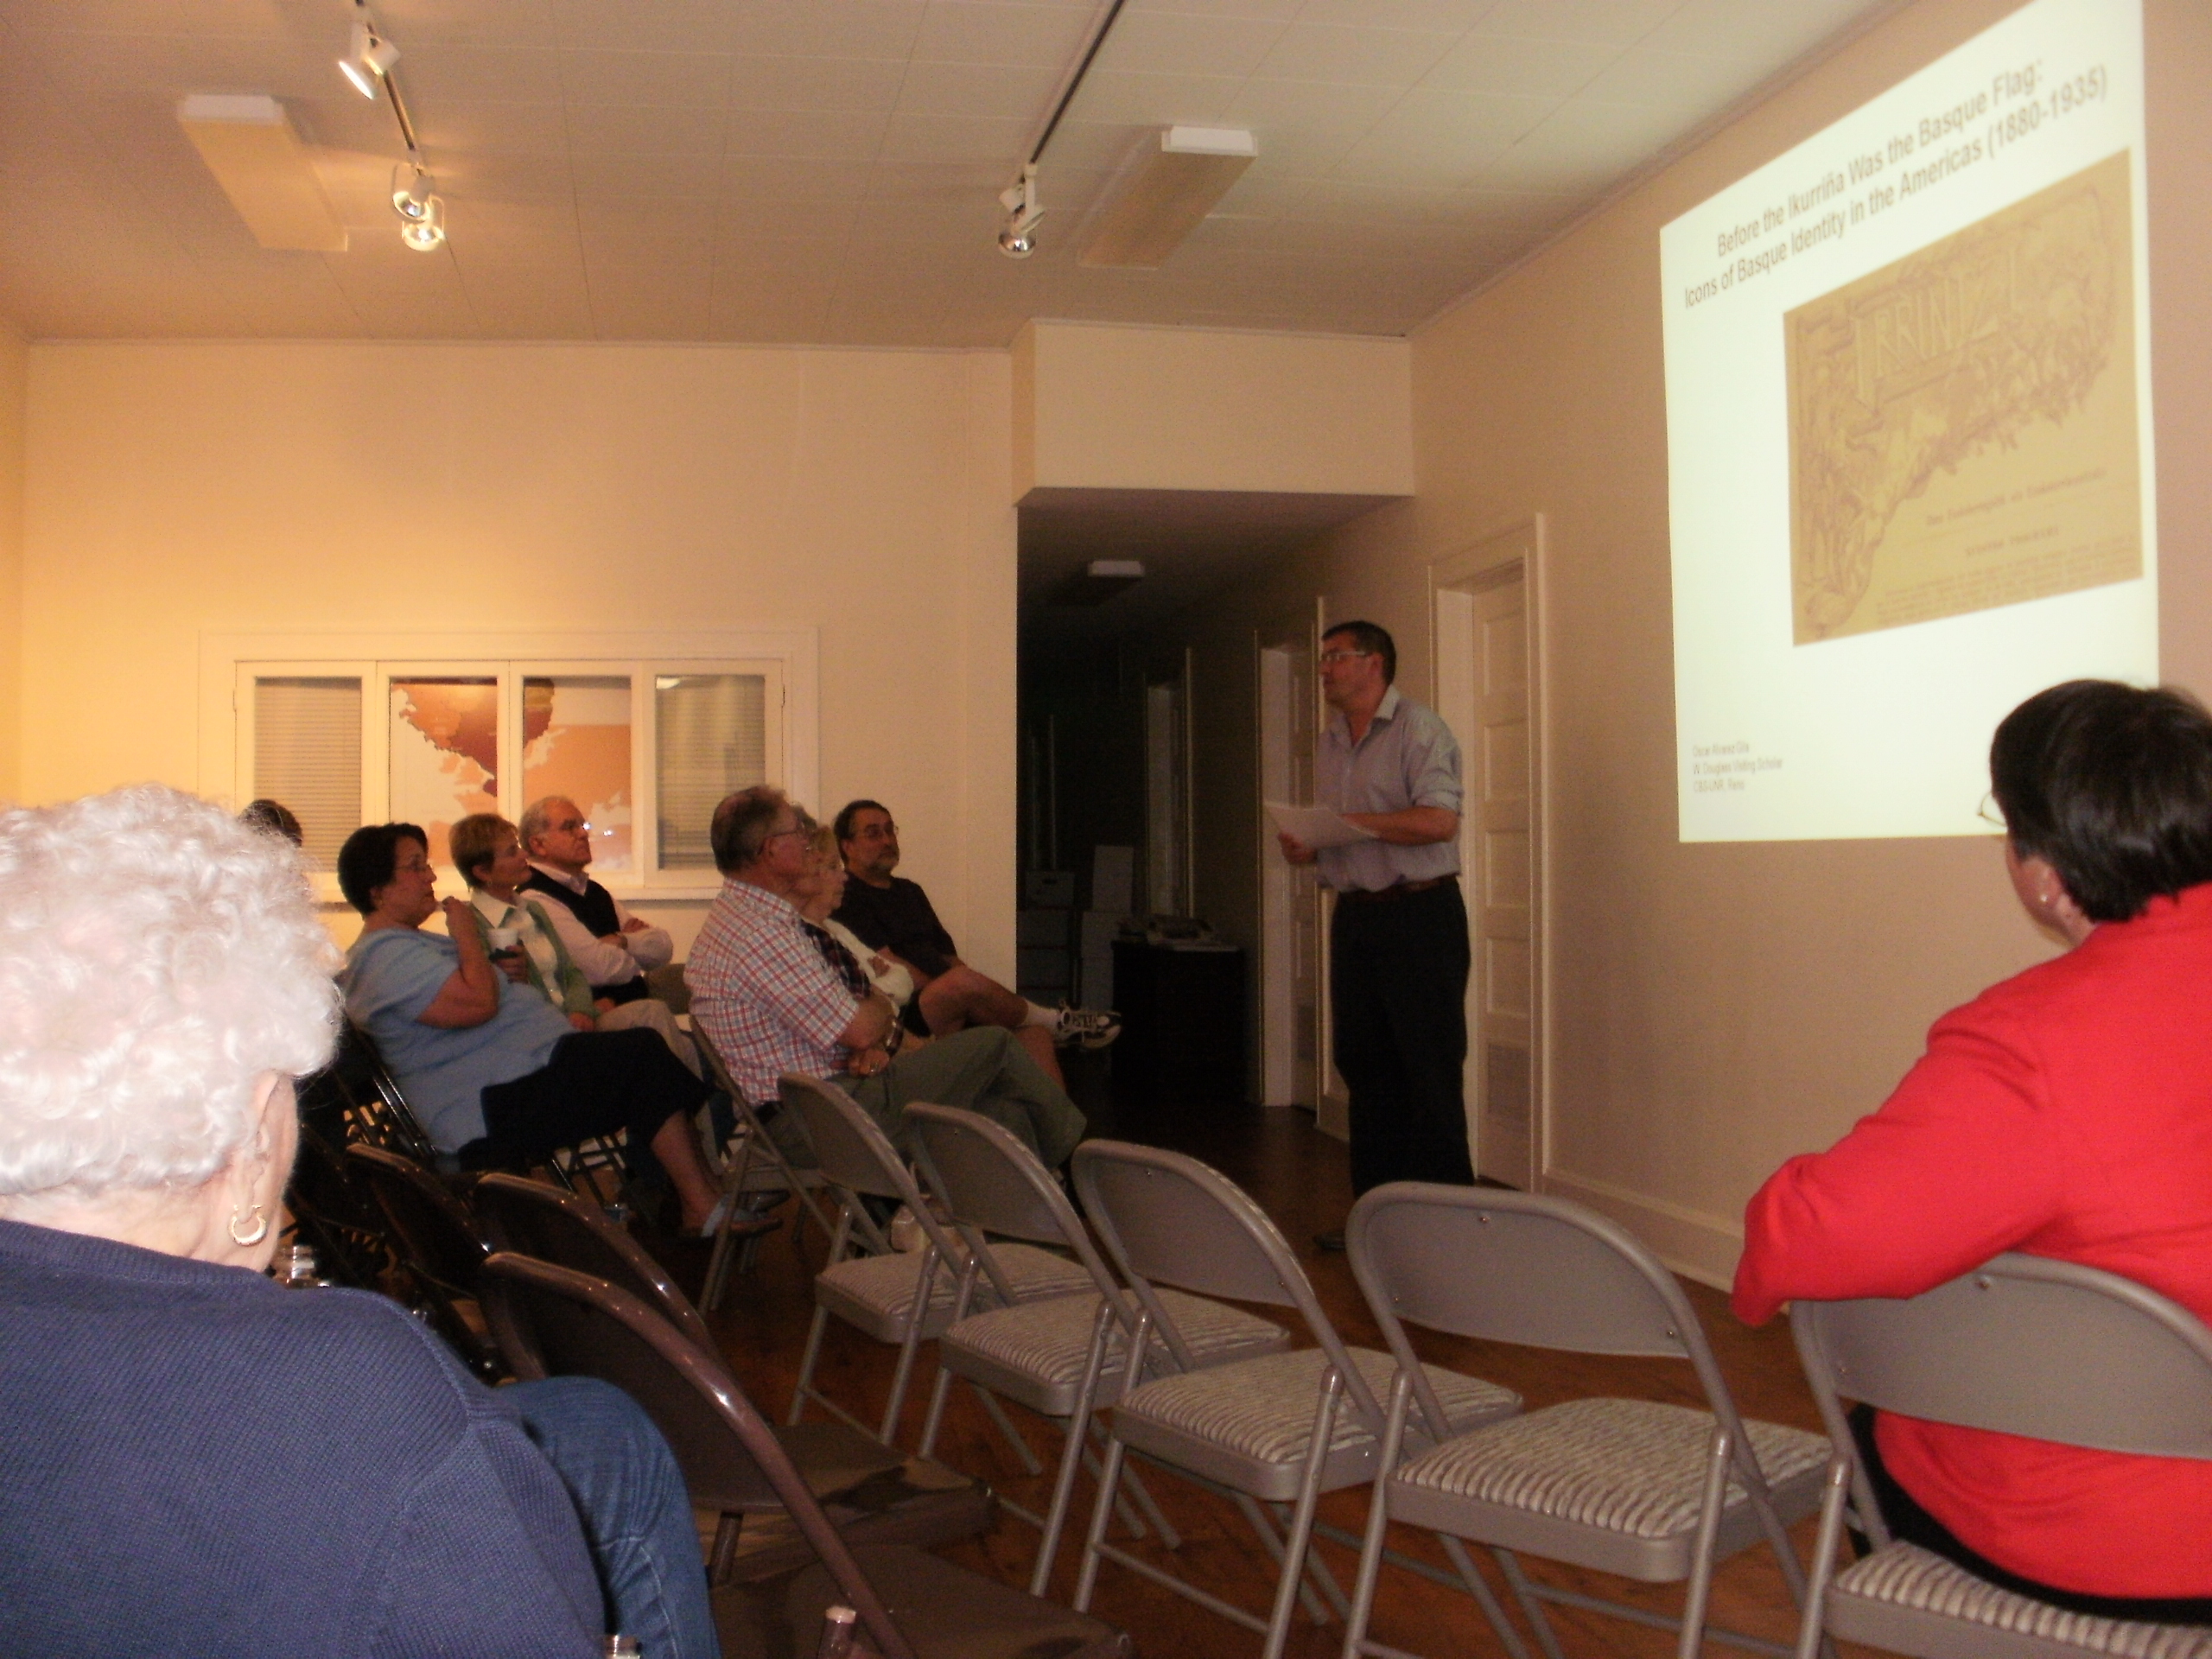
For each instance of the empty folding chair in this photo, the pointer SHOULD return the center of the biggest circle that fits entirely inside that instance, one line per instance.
(940, 1609)
(1066, 1357)
(2023, 1345)
(1281, 1429)
(1641, 1489)
(902, 1297)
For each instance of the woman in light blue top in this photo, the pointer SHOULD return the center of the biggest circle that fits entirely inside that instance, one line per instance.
(499, 1075)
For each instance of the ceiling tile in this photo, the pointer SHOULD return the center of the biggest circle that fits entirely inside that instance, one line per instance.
(649, 25)
(1451, 17)
(1691, 86)
(829, 29)
(972, 89)
(1340, 51)
(1154, 100)
(626, 129)
(1752, 29)
(1484, 62)
(1593, 22)
(764, 83)
(598, 76)
(1582, 149)
(473, 125)
(821, 135)
(772, 178)
(599, 175)
(431, 74)
(461, 22)
(1160, 42)
(953, 138)
(983, 31)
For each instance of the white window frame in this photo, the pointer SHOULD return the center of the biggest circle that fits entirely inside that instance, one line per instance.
(788, 659)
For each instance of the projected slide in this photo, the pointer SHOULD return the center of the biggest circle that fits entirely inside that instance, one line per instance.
(1909, 437)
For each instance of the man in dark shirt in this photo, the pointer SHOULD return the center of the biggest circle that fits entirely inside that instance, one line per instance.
(892, 914)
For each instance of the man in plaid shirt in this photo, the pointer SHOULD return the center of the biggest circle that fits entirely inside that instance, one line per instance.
(771, 999)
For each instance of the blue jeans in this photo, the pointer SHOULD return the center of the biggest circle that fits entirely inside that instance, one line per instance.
(635, 1510)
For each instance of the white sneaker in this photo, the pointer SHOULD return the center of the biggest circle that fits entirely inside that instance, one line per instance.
(1086, 1027)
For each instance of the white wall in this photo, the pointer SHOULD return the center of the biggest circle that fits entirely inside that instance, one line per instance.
(177, 488)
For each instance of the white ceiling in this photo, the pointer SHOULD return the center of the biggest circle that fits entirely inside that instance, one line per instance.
(825, 170)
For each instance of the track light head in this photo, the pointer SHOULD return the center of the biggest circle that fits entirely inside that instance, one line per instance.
(412, 188)
(426, 233)
(1018, 237)
(368, 59)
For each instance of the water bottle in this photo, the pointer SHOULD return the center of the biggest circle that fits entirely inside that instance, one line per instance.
(295, 1270)
(624, 1646)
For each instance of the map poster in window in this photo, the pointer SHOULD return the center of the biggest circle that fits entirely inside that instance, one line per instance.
(445, 753)
(575, 738)
(1962, 423)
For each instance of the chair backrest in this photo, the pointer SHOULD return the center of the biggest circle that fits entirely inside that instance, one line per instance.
(856, 1153)
(564, 1323)
(1168, 1219)
(857, 1156)
(2023, 1345)
(993, 1183)
(1520, 1268)
(532, 1218)
(431, 1224)
(375, 1112)
(336, 1212)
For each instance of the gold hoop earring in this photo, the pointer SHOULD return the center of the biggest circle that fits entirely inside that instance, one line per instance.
(253, 1234)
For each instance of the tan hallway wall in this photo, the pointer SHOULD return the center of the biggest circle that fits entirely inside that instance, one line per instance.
(15, 376)
(182, 487)
(1714, 1008)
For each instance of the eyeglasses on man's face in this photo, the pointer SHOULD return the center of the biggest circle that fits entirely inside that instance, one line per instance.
(1330, 658)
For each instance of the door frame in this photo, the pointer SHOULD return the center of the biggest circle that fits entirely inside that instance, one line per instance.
(1487, 563)
(1276, 1051)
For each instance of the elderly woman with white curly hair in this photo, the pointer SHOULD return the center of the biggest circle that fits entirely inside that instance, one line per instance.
(193, 1458)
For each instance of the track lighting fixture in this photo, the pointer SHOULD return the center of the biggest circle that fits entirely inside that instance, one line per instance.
(1018, 237)
(368, 59)
(425, 234)
(411, 188)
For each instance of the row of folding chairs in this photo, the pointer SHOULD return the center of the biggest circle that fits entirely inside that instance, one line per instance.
(1218, 1395)
(841, 1519)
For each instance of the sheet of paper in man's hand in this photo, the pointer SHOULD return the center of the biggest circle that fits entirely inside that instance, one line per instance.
(1316, 826)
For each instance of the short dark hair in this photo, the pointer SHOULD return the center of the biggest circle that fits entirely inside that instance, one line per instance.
(273, 819)
(743, 823)
(2112, 787)
(843, 825)
(1375, 641)
(370, 856)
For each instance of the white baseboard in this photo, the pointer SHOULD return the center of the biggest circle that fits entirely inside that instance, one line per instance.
(1691, 1242)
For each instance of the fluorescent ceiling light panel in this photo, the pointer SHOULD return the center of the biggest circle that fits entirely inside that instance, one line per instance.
(1163, 197)
(249, 145)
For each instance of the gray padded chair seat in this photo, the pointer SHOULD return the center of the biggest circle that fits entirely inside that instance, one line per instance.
(1249, 1425)
(1633, 1468)
(1036, 1354)
(875, 1293)
(1875, 1601)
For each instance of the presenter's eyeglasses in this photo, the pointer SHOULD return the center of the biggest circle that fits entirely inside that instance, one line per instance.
(1329, 658)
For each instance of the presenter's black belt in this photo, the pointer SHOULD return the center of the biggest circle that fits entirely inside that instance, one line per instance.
(1400, 890)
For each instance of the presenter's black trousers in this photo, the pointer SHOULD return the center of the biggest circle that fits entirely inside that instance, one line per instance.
(1398, 987)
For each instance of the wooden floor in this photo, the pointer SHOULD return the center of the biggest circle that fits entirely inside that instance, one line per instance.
(1299, 1176)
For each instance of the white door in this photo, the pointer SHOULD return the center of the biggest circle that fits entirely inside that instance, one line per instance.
(1497, 848)
(1290, 910)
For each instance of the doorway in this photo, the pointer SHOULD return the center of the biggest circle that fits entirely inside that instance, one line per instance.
(1488, 683)
(1290, 896)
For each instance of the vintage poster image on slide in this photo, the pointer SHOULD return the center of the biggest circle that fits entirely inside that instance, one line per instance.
(1962, 423)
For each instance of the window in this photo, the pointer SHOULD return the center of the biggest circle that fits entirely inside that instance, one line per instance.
(646, 743)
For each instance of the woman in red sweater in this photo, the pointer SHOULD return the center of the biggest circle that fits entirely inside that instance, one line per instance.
(2066, 1112)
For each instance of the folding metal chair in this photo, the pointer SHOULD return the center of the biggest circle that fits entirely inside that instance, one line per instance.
(1067, 1358)
(1281, 1429)
(902, 1500)
(376, 1112)
(1644, 1490)
(2023, 1345)
(901, 1298)
(439, 1247)
(944, 1610)
(757, 1166)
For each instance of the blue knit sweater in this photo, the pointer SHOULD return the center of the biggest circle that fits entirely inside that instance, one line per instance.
(194, 1461)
